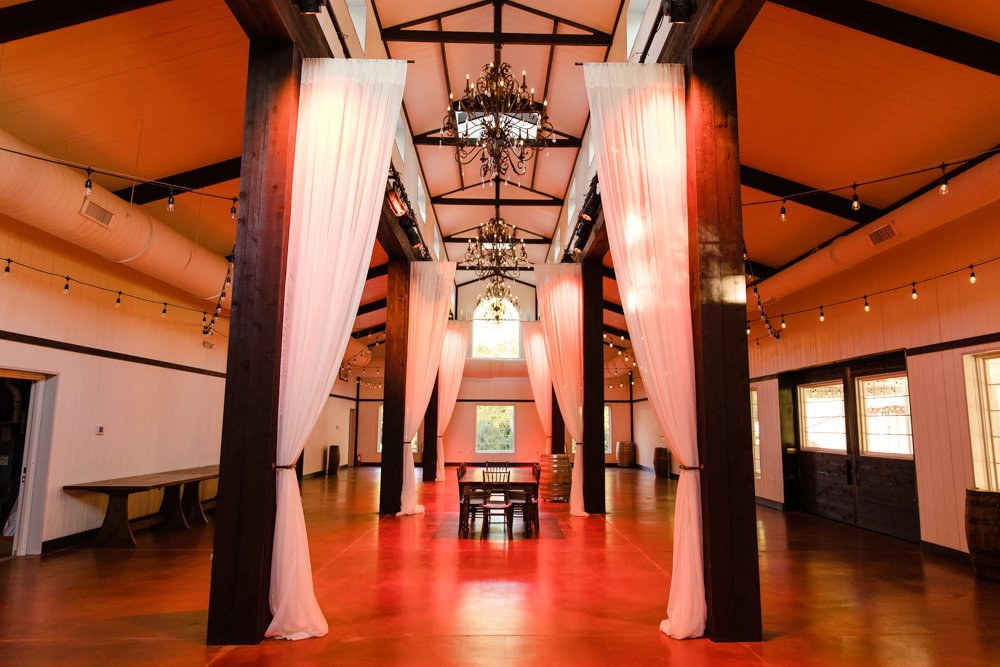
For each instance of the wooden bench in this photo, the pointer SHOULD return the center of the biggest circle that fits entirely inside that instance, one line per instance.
(176, 511)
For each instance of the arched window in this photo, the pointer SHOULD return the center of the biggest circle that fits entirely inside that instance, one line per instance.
(496, 330)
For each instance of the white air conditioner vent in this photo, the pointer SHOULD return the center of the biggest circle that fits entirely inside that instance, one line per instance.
(882, 234)
(98, 214)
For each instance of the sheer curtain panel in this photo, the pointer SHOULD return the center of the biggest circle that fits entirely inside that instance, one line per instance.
(347, 117)
(431, 285)
(538, 375)
(453, 353)
(637, 117)
(560, 315)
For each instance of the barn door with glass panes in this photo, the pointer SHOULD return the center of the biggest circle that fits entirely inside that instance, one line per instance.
(885, 481)
(855, 447)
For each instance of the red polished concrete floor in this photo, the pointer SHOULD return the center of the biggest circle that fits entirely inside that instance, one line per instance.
(591, 591)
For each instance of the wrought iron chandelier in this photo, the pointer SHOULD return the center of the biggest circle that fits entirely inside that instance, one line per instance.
(497, 121)
(495, 251)
(497, 296)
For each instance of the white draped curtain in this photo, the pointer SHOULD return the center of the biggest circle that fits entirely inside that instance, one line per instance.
(337, 189)
(637, 117)
(560, 315)
(452, 366)
(538, 375)
(431, 285)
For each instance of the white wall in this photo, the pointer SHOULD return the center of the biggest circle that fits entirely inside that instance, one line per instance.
(947, 309)
(154, 418)
(770, 484)
(333, 428)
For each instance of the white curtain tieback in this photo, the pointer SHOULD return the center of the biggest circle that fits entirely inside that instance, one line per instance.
(697, 467)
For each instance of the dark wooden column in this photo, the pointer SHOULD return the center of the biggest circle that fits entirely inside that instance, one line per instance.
(558, 427)
(430, 457)
(394, 386)
(238, 611)
(718, 308)
(593, 386)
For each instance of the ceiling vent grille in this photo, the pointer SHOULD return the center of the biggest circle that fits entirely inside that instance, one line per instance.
(96, 213)
(882, 234)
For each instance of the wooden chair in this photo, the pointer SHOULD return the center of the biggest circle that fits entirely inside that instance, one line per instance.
(496, 489)
(468, 503)
(529, 506)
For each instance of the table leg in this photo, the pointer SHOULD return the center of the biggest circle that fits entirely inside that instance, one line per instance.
(463, 519)
(170, 508)
(191, 504)
(115, 531)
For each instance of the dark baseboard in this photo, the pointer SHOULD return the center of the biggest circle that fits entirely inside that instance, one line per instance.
(945, 552)
(773, 504)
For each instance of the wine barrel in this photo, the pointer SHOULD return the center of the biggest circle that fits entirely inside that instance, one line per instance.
(625, 454)
(982, 528)
(661, 462)
(556, 477)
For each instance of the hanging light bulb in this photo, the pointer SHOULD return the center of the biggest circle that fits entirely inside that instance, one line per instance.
(784, 213)
(66, 286)
(232, 209)
(118, 300)
(605, 333)
(204, 318)
(822, 316)
(619, 353)
(855, 202)
(782, 320)
(163, 313)
(170, 202)
(748, 329)
(88, 185)
(913, 292)
(972, 273)
(867, 307)
(943, 187)
(6, 269)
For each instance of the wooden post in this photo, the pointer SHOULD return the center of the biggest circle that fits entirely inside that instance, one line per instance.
(394, 385)
(732, 585)
(558, 427)
(429, 459)
(593, 386)
(238, 610)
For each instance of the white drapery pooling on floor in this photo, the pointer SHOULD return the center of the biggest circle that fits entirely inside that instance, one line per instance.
(338, 185)
(560, 315)
(454, 350)
(637, 117)
(539, 377)
(431, 284)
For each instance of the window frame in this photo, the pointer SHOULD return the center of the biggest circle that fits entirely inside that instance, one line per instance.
(478, 322)
(803, 432)
(513, 429)
(414, 444)
(863, 422)
(984, 440)
(755, 432)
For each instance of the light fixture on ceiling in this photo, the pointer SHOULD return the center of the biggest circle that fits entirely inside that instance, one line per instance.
(679, 11)
(310, 6)
(497, 297)
(496, 251)
(498, 121)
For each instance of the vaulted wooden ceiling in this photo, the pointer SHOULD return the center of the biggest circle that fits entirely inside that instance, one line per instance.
(829, 93)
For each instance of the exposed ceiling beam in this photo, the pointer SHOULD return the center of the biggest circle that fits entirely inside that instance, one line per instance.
(614, 307)
(202, 177)
(281, 21)
(466, 239)
(821, 201)
(479, 186)
(609, 272)
(715, 24)
(426, 139)
(470, 37)
(902, 28)
(366, 308)
(370, 331)
(471, 201)
(441, 15)
(614, 331)
(377, 271)
(41, 16)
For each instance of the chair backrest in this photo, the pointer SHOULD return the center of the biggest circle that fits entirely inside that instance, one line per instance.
(497, 482)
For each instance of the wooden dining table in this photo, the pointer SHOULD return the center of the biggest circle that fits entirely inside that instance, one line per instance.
(521, 479)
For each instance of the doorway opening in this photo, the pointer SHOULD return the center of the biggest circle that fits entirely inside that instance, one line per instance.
(15, 399)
